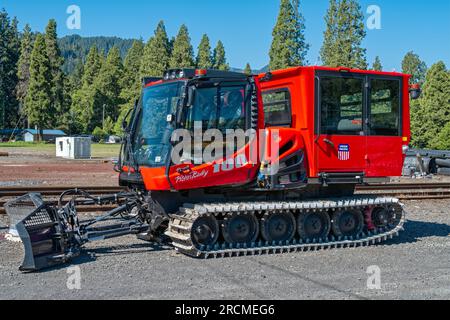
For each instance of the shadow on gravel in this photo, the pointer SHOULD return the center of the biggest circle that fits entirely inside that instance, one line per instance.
(129, 249)
(416, 230)
(90, 255)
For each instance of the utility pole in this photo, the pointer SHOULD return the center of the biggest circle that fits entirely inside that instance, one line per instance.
(103, 117)
(2, 97)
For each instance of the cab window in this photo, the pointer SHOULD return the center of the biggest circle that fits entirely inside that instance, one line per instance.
(341, 106)
(385, 107)
(277, 108)
(220, 108)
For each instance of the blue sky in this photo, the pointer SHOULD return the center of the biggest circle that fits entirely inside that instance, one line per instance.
(245, 26)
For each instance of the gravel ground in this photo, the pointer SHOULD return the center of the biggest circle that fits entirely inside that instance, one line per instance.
(414, 266)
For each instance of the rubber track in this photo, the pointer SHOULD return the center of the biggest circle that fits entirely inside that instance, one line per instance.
(180, 226)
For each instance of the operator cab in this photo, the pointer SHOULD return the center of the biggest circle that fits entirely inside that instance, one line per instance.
(184, 99)
(353, 125)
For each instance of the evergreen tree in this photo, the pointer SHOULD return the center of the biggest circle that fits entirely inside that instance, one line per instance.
(108, 83)
(87, 99)
(412, 65)
(182, 53)
(156, 55)
(9, 56)
(343, 35)
(434, 107)
(220, 60)
(76, 77)
(248, 69)
(204, 57)
(289, 47)
(443, 139)
(131, 85)
(23, 72)
(58, 78)
(132, 65)
(377, 64)
(39, 98)
(94, 61)
(171, 42)
(329, 49)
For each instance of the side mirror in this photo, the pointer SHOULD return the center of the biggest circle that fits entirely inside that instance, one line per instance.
(415, 91)
(124, 124)
(125, 119)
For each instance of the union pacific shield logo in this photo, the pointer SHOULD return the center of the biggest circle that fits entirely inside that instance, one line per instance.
(344, 152)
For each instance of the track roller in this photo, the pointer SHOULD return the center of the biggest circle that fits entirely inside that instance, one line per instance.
(240, 228)
(205, 231)
(313, 225)
(347, 223)
(278, 227)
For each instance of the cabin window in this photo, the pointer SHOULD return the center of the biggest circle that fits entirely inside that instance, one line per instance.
(385, 107)
(277, 108)
(341, 105)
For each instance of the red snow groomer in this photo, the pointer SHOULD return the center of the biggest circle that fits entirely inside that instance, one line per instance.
(303, 139)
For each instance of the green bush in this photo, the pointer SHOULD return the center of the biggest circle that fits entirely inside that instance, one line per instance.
(442, 140)
(99, 134)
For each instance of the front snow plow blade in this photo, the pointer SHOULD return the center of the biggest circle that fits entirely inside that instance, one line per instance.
(37, 225)
(53, 235)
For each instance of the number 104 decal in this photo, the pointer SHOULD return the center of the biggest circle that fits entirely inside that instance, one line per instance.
(231, 164)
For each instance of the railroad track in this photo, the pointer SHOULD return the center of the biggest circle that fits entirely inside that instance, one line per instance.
(55, 191)
(51, 194)
(402, 191)
(410, 191)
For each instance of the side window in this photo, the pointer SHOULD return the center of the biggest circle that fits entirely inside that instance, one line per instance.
(277, 108)
(341, 106)
(385, 107)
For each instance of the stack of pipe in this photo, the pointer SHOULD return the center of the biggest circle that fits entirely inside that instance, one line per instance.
(426, 162)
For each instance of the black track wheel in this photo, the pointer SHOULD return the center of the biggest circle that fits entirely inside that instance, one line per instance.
(205, 231)
(313, 225)
(240, 228)
(381, 217)
(278, 227)
(347, 223)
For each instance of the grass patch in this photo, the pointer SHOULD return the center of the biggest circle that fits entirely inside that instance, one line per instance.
(105, 150)
(22, 144)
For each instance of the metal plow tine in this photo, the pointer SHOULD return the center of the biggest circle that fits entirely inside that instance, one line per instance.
(37, 226)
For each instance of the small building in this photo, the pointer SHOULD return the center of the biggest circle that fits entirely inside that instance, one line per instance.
(32, 135)
(10, 134)
(73, 147)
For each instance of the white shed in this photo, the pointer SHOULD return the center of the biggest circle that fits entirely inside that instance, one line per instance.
(73, 147)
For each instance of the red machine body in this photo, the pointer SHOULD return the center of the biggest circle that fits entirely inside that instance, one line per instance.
(316, 132)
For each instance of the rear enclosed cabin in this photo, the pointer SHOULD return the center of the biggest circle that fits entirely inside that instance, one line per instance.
(353, 125)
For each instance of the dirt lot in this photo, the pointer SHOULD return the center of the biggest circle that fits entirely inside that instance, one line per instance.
(38, 166)
(414, 266)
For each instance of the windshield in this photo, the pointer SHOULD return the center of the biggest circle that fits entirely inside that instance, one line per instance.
(152, 139)
(226, 109)
(221, 107)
